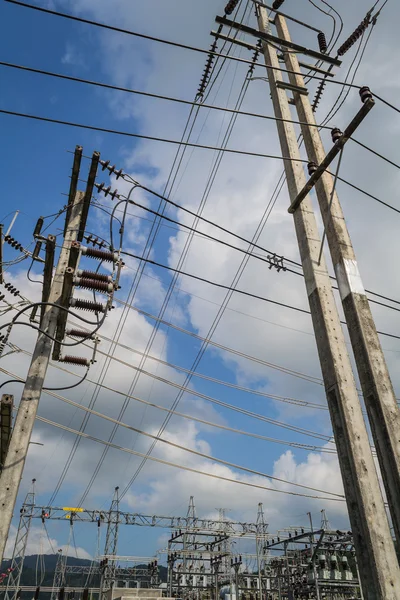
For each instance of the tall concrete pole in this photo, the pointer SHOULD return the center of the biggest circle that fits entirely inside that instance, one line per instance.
(11, 474)
(380, 400)
(379, 569)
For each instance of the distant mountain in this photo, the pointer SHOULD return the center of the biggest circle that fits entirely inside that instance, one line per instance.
(33, 573)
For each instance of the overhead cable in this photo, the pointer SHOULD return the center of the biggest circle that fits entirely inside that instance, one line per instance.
(243, 292)
(196, 452)
(152, 95)
(168, 42)
(145, 137)
(182, 467)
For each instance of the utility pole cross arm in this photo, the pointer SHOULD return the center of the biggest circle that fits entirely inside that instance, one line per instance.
(334, 151)
(267, 37)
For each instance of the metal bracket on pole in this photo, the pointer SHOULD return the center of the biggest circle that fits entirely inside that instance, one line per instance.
(88, 194)
(63, 315)
(333, 152)
(283, 85)
(47, 272)
(74, 183)
(255, 48)
(267, 37)
(7, 403)
(278, 12)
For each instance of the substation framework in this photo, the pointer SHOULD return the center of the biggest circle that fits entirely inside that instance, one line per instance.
(295, 563)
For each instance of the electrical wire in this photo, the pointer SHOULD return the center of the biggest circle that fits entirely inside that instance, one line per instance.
(146, 137)
(336, 498)
(375, 152)
(184, 46)
(222, 308)
(202, 454)
(215, 401)
(43, 332)
(152, 38)
(269, 260)
(187, 132)
(183, 256)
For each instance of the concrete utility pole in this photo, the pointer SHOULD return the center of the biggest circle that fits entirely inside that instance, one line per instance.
(379, 396)
(379, 569)
(11, 474)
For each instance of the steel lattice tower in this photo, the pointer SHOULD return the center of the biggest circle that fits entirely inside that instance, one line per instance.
(261, 538)
(21, 540)
(59, 574)
(110, 548)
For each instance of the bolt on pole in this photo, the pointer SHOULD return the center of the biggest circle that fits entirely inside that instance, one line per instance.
(379, 569)
(379, 397)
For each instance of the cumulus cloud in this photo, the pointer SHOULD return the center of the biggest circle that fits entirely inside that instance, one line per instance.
(238, 199)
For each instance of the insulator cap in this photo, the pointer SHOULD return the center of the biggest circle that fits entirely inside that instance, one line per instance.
(357, 33)
(11, 289)
(94, 241)
(89, 305)
(94, 284)
(38, 226)
(323, 47)
(336, 134)
(365, 93)
(36, 250)
(94, 275)
(80, 333)
(75, 360)
(100, 254)
(13, 242)
(318, 94)
(312, 167)
(230, 7)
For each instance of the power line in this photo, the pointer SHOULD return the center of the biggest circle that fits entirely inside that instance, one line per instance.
(187, 47)
(223, 306)
(182, 467)
(152, 95)
(269, 260)
(162, 41)
(243, 292)
(141, 136)
(370, 196)
(376, 153)
(299, 430)
(191, 450)
(150, 240)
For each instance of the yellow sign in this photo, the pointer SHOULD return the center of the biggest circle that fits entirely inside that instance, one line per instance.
(69, 509)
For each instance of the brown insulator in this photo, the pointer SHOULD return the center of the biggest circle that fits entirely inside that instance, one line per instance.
(94, 275)
(323, 46)
(94, 241)
(105, 255)
(336, 134)
(38, 226)
(357, 33)
(230, 7)
(365, 93)
(36, 251)
(75, 360)
(80, 333)
(312, 167)
(94, 284)
(87, 305)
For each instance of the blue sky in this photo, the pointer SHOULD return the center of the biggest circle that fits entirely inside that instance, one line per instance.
(36, 167)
